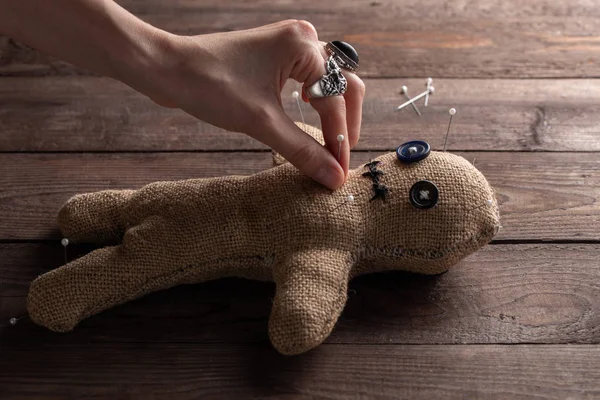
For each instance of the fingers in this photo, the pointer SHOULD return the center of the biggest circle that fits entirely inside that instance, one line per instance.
(313, 132)
(309, 67)
(339, 115)
(95, 217)
(332, 111)
(354, 97)
(304, 152)
(311, 294)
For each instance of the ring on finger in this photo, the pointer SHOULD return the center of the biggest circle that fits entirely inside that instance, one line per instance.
(333, 83)
(345, 55)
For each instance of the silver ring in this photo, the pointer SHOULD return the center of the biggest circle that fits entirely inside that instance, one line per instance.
(333, 83)
(345, 55)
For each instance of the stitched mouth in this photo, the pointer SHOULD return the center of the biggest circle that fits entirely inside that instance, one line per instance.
(472, 242)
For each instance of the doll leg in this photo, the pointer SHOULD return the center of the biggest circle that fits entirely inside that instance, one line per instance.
(311, 293)
(95, 217)
(145, 262)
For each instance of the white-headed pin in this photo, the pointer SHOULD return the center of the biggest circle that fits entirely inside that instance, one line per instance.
(13, 321)
(452, 113)
(340, 139)
(349, 199)
(428, 86)
(296, 95)
(429, 91)
(65, 242)
(404, 91)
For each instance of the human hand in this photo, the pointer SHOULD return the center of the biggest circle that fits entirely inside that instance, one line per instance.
(234, 80)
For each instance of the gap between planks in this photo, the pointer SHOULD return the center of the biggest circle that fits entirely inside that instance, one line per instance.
(542, 196)
(540, 293)
(335, 372)
(80, 115)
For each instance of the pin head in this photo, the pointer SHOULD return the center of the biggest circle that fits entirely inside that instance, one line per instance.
(431, 90)
(404, 89)
(350, 198)
(64, 242)
(12, 321)
(452, 111)
(295, 94)
(340, 138)
(429, 81)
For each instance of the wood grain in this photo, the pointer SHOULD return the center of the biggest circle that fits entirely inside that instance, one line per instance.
(542, 196)
(99, 114)
(501, 294)
(394, 38)
(183, 371)
(513, 320)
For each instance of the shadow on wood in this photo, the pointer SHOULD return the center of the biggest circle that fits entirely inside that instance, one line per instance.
(227, 310)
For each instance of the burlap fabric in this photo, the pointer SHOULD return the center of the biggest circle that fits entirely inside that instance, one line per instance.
(276, 225)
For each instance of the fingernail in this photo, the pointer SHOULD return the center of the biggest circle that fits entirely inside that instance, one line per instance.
(329, 176)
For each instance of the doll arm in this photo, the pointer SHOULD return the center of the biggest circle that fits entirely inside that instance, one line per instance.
(311, 294)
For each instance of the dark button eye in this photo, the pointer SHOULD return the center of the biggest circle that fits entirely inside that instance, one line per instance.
(413, 151)
(424, 194)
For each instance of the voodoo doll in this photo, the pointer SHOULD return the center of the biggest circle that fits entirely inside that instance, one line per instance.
(409, 210)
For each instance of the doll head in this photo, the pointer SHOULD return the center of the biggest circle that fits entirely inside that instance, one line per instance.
(425, 215)
(421, 211)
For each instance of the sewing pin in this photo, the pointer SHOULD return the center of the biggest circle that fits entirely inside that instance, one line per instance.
(452, 112)
(427, 85)
(349, 199)
(404, 91)
(431, 90)
(296, 95)
(488, 202)
(340, 139)
(65, 242)
(13, 321)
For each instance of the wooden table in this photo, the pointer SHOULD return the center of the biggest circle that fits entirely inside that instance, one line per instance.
(518, 319)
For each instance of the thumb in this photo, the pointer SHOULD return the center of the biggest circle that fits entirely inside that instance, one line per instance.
(304, 152)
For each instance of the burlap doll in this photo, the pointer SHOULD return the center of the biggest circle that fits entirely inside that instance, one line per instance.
(279, 225)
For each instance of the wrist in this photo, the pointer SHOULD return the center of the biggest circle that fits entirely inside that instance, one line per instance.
(144, 60)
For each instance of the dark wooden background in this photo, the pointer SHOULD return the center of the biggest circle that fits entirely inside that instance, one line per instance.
(518, 319)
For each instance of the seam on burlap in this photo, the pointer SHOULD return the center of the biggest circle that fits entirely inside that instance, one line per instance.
(151, 283)
(367, 252)
(327, 326)
(341, 298)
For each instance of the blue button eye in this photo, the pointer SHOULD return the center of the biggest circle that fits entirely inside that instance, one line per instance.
(413, 151)
(424, 194)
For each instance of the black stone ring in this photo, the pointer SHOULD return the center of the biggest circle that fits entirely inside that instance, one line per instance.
(345, 55)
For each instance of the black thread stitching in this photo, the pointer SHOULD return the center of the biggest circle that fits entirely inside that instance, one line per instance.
(379, 189)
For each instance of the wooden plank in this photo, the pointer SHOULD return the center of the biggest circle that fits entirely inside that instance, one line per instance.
(394, 38)
(543, 196)
(98, 114)
(512, 294)
(183, 371)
